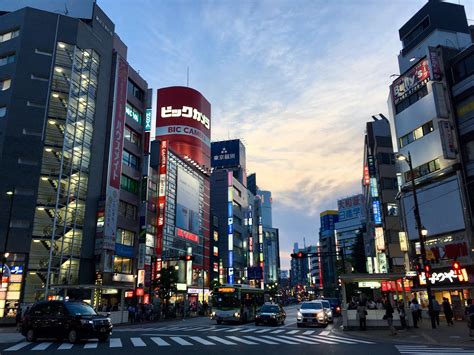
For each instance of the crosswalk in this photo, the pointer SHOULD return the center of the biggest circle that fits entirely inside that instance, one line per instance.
(425, 349)
(192, 340)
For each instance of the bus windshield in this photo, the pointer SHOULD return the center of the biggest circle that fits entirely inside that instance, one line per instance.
(224, 300)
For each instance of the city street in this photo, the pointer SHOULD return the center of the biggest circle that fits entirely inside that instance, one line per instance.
(201, 335)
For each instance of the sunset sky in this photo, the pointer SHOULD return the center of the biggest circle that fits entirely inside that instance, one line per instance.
(296, 80)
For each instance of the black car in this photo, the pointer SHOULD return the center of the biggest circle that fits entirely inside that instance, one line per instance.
(71, 320)
(270, 314)
(335, 306)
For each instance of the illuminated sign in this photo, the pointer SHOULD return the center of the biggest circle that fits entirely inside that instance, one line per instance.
(444, 277)
(148, 120)
(128, 294)
(187, 235)
(226, 289)
(374, 192)
(377, 214)
(370, 284)
(230, 222)
(141, 277)
(366, 176)
(161, 196)
(185, 112)
(402, 236)
(409, 82)
(139, 292)
(382, 263)
(379, 238)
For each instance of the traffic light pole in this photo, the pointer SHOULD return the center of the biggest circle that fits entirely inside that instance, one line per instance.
(422, 244)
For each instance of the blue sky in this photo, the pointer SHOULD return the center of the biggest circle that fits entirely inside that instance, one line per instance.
(295, 79)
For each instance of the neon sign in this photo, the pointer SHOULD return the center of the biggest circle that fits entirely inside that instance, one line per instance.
(439, 277)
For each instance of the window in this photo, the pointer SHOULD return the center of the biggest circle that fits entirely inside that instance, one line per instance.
(384, 141)
(133, 113)
(410, 100)
(392, 209)
(132, 136)
(386, 158)
(3, 111)
(416, 31)
(129, 184)
(423, 170)
(136, 91)
(122, 265)
(464, 68)
(125, 237)
(215, 250)
(9, 35)
(152, 185)
(416, 134)
(130, 159)
(127, 210)
(389, 184)
(7, 59)
(5, 84)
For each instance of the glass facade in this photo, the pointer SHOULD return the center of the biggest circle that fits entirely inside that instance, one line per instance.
(61, 201)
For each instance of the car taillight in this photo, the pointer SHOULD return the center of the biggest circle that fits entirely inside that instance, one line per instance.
(338, 308)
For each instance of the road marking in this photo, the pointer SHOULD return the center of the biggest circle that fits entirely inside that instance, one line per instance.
(261, 340)
(91, 345)
(323, 340)
(293, 332)
(220, 340)
(194, 328)
(42, 346)
(115, 343)
(325, 332)
(236, 329)
(278, 338)
(308, 332)
(248, 330)
(307, 341)
(137, 342)
(248, 342)
(65, 346)
(424, 349)
(207, 329)
(340, 340)
(181, 341)
(262, 330)
(221, 329)
(18, 346)
(173, 328)
(278, 331)
(202, 341)
(158, 341)
(334, 337)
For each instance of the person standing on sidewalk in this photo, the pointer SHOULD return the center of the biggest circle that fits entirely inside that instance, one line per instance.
(436, 310)
(414, 309)
(448, 311)
(362, 313)
(401, 311)
(470, 317)
(389, 316)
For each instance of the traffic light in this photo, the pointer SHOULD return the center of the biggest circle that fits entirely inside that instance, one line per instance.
(186, 257)
(427, 269)
(298, 255)
(418, 268)
(456, 268)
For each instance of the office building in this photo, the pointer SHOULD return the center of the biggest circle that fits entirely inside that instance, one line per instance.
(328, 250)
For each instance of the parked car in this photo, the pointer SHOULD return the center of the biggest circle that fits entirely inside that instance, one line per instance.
(64, 319)
(270, 314)
(335, 306)
(327, 309)
(312, 313)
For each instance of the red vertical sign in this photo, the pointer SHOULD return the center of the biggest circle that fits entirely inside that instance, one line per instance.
(161, 196)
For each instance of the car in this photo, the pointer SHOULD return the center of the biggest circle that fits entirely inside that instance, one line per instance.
(270, 314)
(312, 313)
(64, 319)
(335, 306)
(327, 309)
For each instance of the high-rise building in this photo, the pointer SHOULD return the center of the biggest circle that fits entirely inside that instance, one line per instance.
(328, 250)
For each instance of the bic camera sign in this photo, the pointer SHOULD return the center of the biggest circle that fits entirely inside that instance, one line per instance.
(186, 112)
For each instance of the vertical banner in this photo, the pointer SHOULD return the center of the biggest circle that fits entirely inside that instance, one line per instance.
(260, 249)
(447, 139)
(161, 197)
(115, 164)
(230, 226)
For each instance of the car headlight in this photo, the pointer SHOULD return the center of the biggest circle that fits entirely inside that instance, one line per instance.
(86, 321)
(236, 314)
(213, 314)
(257, 316)
(273, 315)
(299, 315)
(320, 314)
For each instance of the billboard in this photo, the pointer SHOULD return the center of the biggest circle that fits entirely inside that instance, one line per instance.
(225, 153)
(350, 207)
(183, 117)
(187, 203)
(409, 82)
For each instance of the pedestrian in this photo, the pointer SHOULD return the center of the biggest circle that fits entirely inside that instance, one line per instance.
(362, 313)
(401, 312)
(389, 316)
(470, 317)
(448, 311)
(414, 309)
(131, 313)
(436, 310)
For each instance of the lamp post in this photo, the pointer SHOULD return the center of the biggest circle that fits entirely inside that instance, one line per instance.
(422, 232)
(5, 253)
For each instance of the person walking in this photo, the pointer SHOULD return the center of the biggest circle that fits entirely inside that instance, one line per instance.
(470, 317)
(389, 316)
(401, 311)
(131, 313)
(362, 313)
(414, 309)
(436, 310)
(448, 311)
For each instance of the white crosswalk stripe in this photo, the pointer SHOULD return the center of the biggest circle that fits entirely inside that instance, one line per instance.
(260, 340)
(208, 329)
(158, 341)
(245, 341)
(324, 340)
(325, 332)
(220, 340)
(278, 331)
(181, 341)
(235, 329)
(201, 340)
(424, 349)
(65, 346)
(262, 330)
(339, 340)
(293, 332)
(334, 337)
(220, 329)
(248, 330)
(92, 345)
(300, 339)
(308, 332)
(42, 346)
(18, 346)
(115, 343)
(137, 342)
(278, 338)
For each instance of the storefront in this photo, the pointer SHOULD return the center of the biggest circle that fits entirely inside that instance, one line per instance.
(455, 285)
(12, 282)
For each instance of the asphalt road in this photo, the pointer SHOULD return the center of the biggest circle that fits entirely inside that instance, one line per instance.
(203, 336)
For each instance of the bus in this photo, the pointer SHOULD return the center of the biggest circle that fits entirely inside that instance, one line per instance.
(236, 303)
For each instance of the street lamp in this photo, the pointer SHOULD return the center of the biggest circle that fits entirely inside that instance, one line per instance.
(422, 233)
(5, 253)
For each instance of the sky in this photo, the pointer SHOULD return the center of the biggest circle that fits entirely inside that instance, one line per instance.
(296, 80)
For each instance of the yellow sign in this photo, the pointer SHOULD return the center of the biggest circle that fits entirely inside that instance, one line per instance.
(225, 289)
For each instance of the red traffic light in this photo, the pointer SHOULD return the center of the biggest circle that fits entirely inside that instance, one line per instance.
(456, 266)
(427, 268)
(298, 255)
(186, 257)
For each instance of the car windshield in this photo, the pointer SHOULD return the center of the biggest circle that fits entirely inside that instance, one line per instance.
(326, 304)
(80, 309)
(315, 305)
(268, 309)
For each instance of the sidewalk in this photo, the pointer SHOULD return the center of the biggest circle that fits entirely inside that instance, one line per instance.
(455, 335)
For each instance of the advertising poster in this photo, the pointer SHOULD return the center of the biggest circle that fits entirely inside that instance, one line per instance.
(187, 202)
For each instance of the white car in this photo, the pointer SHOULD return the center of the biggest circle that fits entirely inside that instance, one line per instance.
(327, 309)
(312, 313)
